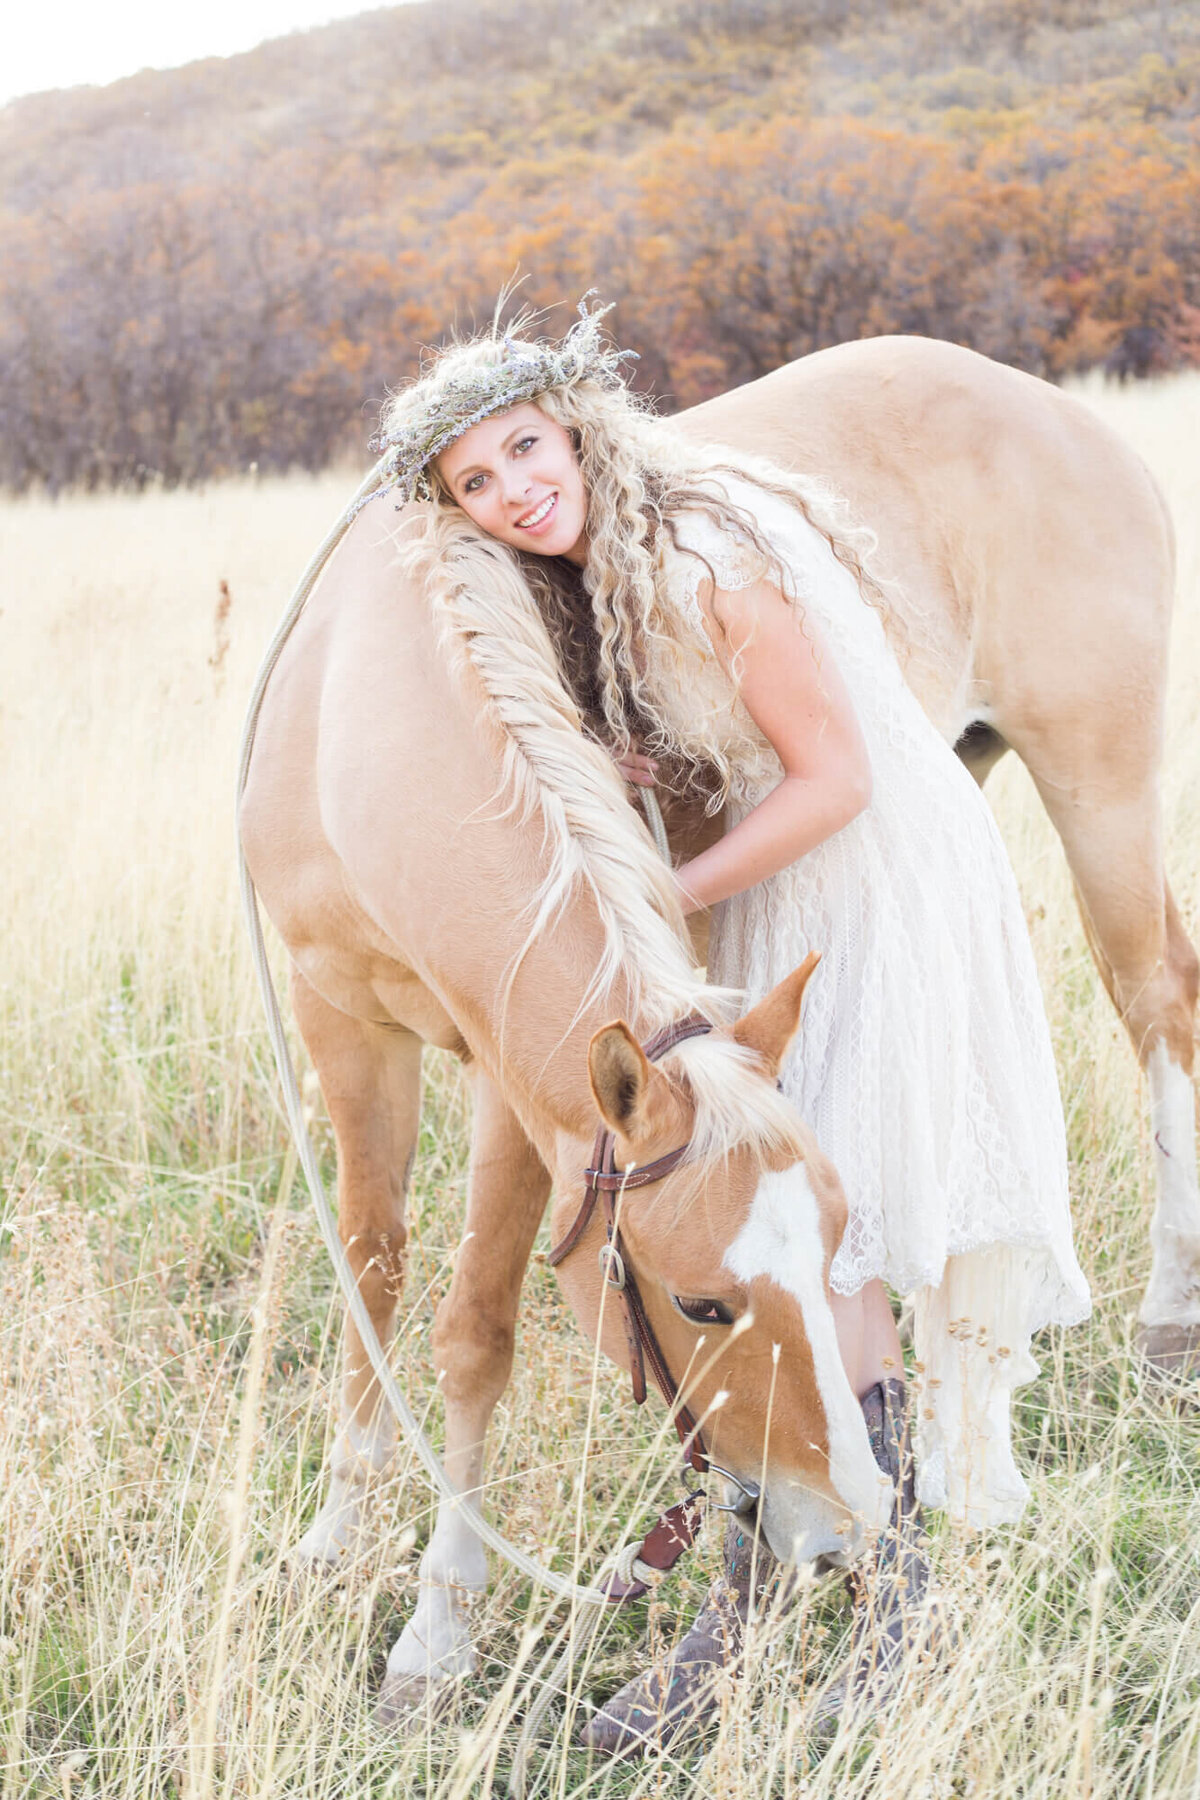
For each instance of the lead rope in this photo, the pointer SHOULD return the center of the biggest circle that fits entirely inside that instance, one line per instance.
(591, 1601)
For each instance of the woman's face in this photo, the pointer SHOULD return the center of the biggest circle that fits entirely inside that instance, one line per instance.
(517, 476)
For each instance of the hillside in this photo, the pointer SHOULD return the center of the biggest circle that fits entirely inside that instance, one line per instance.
(228, 263)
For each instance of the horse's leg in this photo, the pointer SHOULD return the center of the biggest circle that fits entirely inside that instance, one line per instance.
(507, 1190)
(1170, 1314)
(1113, 842)
(371, 1079)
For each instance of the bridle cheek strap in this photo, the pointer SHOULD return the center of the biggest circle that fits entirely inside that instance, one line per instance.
(605, 1182)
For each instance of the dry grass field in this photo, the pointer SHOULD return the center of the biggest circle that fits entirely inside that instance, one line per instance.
(167, 1343)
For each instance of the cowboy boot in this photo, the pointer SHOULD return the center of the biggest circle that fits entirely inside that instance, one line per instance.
(890, 1586)
(654, 1708)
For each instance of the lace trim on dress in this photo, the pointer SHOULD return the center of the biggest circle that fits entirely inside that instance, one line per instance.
(706, 553)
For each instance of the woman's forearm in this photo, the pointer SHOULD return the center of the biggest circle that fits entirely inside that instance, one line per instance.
(794, 818)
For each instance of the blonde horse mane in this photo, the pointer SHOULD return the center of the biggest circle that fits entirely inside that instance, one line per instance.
(555, 773)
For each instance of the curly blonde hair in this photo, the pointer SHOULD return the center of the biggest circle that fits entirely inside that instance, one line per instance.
(617, 633)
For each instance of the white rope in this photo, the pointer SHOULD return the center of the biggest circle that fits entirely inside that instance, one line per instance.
(579, 1643)
(630, 1567)
(654, 820)
(563, 1586)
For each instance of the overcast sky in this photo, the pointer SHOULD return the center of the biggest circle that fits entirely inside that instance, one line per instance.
(65, 43)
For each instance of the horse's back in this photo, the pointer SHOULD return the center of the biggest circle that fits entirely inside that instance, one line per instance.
(1030, 548)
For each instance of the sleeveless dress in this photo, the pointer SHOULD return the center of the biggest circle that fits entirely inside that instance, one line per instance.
(923, 1061)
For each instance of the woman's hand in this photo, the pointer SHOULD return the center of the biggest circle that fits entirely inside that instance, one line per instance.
(639, 769)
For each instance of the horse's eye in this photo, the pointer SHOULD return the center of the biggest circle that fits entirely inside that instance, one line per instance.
(703, 1312)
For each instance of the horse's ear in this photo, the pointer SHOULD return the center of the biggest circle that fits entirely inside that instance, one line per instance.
(770, 1026)
(620, 1077)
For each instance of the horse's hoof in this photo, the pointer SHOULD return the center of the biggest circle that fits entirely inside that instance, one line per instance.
(299, 1578)
(1169, 1352)
(302, 1563)
(329, 1550)
(408, 1702)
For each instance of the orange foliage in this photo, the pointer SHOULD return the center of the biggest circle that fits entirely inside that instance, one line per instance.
(242, 278)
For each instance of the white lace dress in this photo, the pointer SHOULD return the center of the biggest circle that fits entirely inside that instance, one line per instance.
(923, 1062)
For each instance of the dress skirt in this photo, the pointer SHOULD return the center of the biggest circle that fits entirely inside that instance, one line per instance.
(923, 1061)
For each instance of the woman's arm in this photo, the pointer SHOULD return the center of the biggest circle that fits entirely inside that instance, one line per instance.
(797, 698)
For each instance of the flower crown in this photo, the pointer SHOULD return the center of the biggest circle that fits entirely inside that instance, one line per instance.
(431, 413)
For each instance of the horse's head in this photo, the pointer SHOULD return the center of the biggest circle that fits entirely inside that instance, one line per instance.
(729, 1252)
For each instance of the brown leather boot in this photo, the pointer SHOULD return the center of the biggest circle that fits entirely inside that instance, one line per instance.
(654, 1708)
(890, 1585)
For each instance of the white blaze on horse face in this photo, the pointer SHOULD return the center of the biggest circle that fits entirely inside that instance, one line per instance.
(781, 1241)
(1173, 1293)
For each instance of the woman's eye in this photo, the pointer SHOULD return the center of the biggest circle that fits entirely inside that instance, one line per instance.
(523, 444)
(704, 1312)
(472, 484)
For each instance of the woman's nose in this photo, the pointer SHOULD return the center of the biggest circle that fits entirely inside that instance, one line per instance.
(517, 485)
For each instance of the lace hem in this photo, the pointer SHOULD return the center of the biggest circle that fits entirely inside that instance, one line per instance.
(1071, 1305)
(972, 1335)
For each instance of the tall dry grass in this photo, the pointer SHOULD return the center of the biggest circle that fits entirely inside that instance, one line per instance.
(167, 1347)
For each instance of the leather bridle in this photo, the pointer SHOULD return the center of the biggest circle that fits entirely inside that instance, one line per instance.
(606, 1183)
(677, 1527)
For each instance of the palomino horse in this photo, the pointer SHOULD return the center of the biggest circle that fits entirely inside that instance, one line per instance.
(450, 862)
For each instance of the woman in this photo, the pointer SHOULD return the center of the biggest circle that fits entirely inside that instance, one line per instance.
(712, 615)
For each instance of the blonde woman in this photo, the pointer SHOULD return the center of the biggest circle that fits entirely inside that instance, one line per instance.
(715, 618)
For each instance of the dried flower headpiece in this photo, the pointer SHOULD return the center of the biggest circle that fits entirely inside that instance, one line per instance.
(435, 409)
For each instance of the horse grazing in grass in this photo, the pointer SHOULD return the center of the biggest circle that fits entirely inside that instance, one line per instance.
(451, 862)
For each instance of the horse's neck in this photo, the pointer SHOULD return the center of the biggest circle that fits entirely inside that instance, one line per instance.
(526, 896)
(533, 1029)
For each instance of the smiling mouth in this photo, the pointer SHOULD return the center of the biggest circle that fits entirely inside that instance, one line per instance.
(540, 513)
